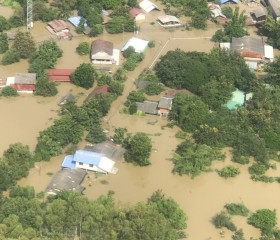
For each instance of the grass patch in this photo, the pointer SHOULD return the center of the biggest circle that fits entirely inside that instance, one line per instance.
(11, 3)
(181, 135)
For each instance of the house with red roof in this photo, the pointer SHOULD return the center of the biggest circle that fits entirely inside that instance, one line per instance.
(23, 82)
(137, 14)
(60, 75)
(98, 90)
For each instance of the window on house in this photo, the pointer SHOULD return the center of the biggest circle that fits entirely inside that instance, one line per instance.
(80, 163)
(91, 165)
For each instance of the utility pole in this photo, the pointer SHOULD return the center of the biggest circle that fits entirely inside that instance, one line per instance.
(29, 14)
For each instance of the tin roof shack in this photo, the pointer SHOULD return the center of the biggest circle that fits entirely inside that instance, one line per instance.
(149, 107)
(259, 15)
(66, 179)
(23, 82)
(168, 21)
(60, 75)
(59, 28)
(164, 106)
(75, 21)
(102, 52)
(69, 97)
(274, 6)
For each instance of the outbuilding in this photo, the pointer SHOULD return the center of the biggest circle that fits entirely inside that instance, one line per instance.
(138, 44)
(137, 14)
(148, 6)
(23, 82)
(168, 21)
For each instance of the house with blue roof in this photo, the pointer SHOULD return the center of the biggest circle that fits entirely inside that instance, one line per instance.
(75, 21)
(225, 1)
(91, 161)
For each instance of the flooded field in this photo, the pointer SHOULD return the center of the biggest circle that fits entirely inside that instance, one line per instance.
(201, 198)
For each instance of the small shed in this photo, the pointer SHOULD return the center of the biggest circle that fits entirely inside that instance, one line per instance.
(102, 52)
(69, 97)
(138, 44)
(164, 105)
(168, 21)
(58, 26)
(259, 15)
(66, 179)
(148, 6)
(149, 107)
(137, 14)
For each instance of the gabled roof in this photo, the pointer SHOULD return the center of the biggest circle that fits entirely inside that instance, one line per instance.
(248, 44)
(100, 45)
(168, 18)
(25, 78)
(138, 44)
(75, 20)
(60, 72)
(148, 107)
(108, 149)
(67, 179)
(225, 1)
(98, 90)
(83, 156)
(165, 102)
(133, 12)
(58, 25)
(148, 6)
(259, 12)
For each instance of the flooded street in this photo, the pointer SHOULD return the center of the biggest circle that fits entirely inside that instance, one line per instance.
(23, 117)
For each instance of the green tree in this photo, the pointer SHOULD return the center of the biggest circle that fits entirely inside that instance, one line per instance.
(273, 70)
(9, 92)
(138, 149)
(223, 220)
(188, 112)
(116, 87)
(4, 45)
(11, 56)
(178, 69)
(265, 219)
(4, 24)
(84, 75)
(119, 135)
(96, 30)
(170, 209)
(119, 24)
(44, 87)
(16, 21)
(128, 52)
(83, 48)
(24, 44)
(271, 29)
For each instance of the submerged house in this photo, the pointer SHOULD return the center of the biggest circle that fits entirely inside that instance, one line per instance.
(148, 6)
(59, 28)
(60, 75)
(102, 52)
(254, 50)
(90, 161)
(168, 21)
(66, 179)
(23, 82)
(137, 14)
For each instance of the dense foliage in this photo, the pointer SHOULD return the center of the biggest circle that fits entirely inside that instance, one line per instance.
(4, 45)
(45, 57)
(83, 48)
(84, 75)
(138, 149)
(192, 159)
(228, 172)
(70, 215)
(9, 92)
(237, 209)
(24, 44)
(44, 87)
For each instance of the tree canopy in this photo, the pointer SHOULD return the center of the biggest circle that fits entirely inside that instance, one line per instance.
(84, 75)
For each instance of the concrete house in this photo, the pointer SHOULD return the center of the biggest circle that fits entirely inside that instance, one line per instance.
(149, 107)
(168, 21)
(164, 106)
(23, 82)
(102, 52)
(90, 161)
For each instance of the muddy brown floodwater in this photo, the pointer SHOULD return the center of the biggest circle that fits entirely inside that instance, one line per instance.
(22, 119)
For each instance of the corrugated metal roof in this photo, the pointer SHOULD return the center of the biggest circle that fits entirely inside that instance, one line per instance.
(168, 18)
(25, 78)
(60, 72)
(75, 20)
(58, 25)
(101, 45)
(58, 78)
(148, 6)
(138, 44)
(165, 102)
(149, 107)
(248, 44)
(83, 156)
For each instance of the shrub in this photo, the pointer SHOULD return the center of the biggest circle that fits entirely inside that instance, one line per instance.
(83, 48)
(238, 158)
(151, 44)
(128, 52)
(263, 178)
(258, 169)
(223, 220)
(229, 171)
(11, 56)
(9, 92)
(237, 209)
(265, 219)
